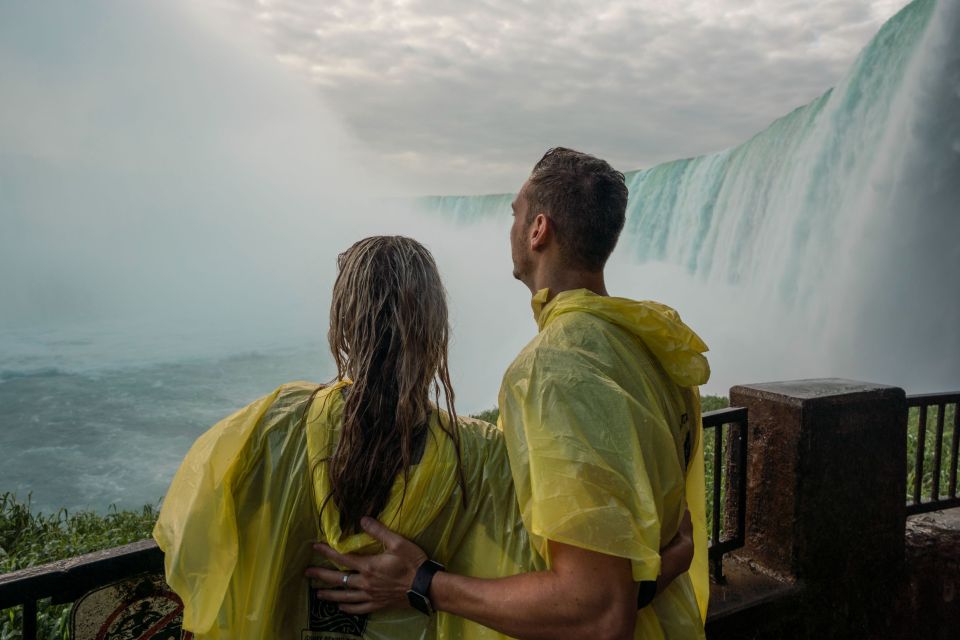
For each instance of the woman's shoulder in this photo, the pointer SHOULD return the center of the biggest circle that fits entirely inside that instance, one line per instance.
(476, 428)
(283, 408)
(300, 391)
(295, 397)
(481, 443)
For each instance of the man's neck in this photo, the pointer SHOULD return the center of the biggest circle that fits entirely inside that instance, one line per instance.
(559, 280)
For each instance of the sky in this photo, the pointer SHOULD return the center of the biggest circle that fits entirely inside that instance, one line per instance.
(462, 97)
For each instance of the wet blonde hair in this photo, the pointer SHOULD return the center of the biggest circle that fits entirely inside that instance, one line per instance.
(389, 334)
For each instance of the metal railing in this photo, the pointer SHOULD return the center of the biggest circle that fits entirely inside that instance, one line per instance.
(925, 488)
(733, 460)
(66, 580)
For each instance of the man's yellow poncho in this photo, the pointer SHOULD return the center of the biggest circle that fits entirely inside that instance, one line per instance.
(602, 421)
(241, 513)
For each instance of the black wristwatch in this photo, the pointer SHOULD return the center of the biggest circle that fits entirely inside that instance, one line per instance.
(646, 594)
(419, 593)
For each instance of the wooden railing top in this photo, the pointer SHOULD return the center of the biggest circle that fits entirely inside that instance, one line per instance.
(66, 580)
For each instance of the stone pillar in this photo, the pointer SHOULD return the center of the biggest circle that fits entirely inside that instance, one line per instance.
(826, 484)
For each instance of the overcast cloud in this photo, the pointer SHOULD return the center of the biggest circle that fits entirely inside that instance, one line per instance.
(462, 96)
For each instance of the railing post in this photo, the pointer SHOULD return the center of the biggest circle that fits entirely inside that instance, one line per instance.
(29, 625)
(727, 530)
(918, 456)
(826, 485)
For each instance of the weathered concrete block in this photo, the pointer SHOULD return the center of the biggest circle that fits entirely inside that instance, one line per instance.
(826, 479)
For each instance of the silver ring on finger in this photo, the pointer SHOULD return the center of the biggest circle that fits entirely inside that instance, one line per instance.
(345, 579)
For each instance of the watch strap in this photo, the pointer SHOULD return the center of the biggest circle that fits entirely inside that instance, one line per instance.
(419, 593)
(646, 593)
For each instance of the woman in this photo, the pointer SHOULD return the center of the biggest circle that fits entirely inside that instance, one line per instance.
(308, 462)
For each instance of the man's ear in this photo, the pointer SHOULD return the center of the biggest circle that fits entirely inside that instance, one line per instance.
(541, 232)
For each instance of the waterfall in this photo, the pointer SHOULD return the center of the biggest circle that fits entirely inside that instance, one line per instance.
(843, 215)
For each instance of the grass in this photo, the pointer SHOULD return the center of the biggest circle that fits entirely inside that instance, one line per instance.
(712, 403)
(929, 450)
(29, 538)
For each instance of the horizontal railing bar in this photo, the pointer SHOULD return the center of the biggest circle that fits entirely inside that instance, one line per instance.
(947, 397)
(720, 417)
(723, 547)
(926, 507)
(66, 579)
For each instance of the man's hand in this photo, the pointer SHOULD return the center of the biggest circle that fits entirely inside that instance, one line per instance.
(379, 581)
(584, 594)
(675, 558)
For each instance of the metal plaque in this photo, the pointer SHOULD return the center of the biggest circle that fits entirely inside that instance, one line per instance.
(138, 608)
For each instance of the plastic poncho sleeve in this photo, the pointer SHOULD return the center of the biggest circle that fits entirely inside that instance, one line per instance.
(197, 528)
(238, 515)
(580, 468)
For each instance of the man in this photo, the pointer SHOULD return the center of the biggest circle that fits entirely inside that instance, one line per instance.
(602, 423)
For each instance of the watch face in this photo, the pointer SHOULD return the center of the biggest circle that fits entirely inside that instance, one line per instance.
(419, 602)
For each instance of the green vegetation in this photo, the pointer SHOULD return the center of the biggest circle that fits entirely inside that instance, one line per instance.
(712, 403)
(490, 415)
(929, 450)
(28, 538)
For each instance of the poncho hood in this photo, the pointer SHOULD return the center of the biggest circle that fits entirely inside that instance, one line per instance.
(676, 346)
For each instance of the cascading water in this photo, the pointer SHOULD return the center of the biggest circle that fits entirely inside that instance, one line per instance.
(835, 231)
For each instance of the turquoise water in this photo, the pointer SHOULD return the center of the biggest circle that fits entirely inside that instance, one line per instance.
(115, 435)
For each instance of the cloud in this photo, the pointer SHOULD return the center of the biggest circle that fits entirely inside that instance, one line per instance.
(462, 97)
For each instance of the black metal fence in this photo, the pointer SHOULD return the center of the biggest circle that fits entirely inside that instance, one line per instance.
(66, 580)
(725, 462)
(932, 467)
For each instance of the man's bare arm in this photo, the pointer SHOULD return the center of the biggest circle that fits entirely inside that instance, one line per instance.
(584, 593)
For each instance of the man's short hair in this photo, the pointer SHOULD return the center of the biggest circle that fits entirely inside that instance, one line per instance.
(587, 201)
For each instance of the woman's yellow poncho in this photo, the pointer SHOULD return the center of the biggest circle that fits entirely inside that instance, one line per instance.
(238, 521)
